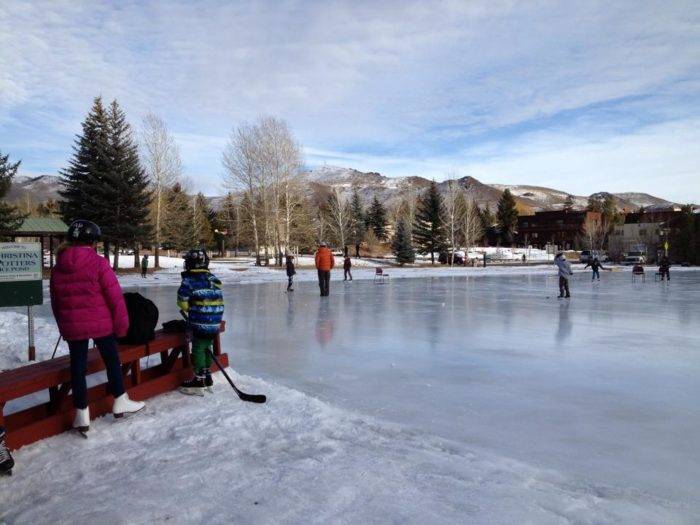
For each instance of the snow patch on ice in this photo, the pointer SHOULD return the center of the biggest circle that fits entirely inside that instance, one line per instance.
(295, 459)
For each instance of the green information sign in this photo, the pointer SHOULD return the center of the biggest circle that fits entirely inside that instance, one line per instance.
(20, 274)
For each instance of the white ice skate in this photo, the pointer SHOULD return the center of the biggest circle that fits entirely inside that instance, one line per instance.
(81, 423)
(124, 405)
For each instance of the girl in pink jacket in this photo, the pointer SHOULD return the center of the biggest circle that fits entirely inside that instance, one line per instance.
(87, 303)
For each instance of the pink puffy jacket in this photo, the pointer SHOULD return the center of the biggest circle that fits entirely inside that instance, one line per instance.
(86, 298)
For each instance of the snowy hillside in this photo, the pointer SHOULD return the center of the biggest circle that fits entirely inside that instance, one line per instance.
(643, 199)
(389, 190)
(39, 188)
(544, 198)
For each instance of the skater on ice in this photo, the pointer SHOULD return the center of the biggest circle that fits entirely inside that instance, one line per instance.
(200, 298)
(87, 303)
(347, 266)
(564, 273)
(144, 266)
(665, 268)
(324, 264)
(596, 266)
(291, 272)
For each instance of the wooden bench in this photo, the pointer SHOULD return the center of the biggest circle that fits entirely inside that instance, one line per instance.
(56, 415)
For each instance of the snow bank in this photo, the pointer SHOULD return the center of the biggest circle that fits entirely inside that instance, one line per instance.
(13, 337)
(293, 460)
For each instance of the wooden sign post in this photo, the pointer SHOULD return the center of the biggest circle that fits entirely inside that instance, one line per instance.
(20, 281)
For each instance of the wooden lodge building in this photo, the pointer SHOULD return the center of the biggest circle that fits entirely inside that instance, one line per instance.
(563, 228)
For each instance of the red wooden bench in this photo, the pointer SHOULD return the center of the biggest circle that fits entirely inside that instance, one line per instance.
(56, 415)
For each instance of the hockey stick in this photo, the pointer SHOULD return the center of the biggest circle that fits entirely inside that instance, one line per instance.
(252, 398)
(56, 347)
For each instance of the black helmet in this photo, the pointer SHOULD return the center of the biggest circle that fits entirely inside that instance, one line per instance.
(196, 260)
(84, 231)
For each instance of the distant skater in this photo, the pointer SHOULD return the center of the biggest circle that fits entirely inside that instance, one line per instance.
(324, 264)
(291, 272)
(564, 274)
(144, 266)
(665, 268)
(347, 265)
(595, 265)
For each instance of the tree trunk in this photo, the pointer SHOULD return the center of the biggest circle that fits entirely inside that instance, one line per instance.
(105, 246)
(158, 213)
(115, 266)
(136, 255)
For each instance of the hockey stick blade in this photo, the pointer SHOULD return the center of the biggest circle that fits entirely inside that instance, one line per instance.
(251, 398)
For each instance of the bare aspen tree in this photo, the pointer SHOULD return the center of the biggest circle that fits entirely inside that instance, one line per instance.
(339, 216)
(240, 160)
(409, 202)
(594, 234)
(452, 213)
(161, 159)
(280, 157)
(320, 221)
(470, 225)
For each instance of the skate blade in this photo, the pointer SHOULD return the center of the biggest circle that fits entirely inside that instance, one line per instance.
(81, 431)
(191, 391)
(122, 414)
(6, 473)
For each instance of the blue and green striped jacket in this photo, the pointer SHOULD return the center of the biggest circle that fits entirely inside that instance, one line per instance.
(200, 297)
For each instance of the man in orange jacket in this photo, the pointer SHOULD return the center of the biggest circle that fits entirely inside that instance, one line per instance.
(324, 264)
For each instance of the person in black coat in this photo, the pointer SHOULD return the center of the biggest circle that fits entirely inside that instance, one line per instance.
(664, 268)
(595, 266)
(291, 272)
(347, 264)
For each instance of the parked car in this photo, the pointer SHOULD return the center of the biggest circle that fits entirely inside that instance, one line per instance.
(633, 258)
(444, 258)
(588, 255)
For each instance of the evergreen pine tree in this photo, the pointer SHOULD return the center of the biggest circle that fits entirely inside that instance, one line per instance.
(488, 220)
(201, 234)
(568, 203)
(87, 169)
(507, 215)
(10, 217)
(594, 204)
(401, 245)
(358, 225)
(124, 194)
(376, 219)
(177, 219)
(429, 229)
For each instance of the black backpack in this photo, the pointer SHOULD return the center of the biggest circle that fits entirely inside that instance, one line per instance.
(143, 318)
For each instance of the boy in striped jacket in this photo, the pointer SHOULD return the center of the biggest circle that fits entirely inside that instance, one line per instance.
(201, 299)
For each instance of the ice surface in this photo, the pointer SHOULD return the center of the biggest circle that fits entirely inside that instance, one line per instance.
(583, 410)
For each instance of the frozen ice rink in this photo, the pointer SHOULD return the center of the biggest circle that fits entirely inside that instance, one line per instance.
(442, 400)
(604, 386)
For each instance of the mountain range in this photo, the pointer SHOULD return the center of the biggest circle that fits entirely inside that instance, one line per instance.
(390, 190)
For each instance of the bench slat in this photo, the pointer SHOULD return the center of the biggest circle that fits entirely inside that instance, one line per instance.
(53, 372)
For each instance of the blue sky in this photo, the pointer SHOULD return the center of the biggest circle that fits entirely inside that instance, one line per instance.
(580, 96)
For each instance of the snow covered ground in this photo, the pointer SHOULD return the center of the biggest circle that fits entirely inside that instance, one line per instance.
(293, 460)
(441, 399)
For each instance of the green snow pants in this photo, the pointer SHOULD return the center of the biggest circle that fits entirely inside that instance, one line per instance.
(200, 357)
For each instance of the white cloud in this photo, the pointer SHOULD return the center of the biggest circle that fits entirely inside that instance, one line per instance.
(420, 81)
